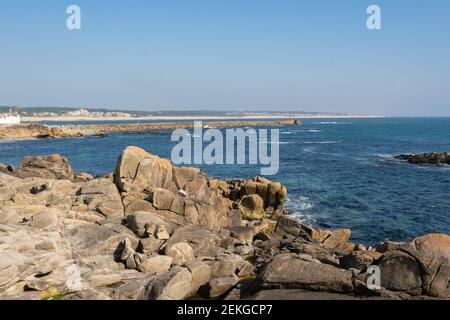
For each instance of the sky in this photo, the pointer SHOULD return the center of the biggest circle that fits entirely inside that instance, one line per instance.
(252, 55)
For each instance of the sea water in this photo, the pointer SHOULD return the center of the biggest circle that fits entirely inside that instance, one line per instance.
(339, 172)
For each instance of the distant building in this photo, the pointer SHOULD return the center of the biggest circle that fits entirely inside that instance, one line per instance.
(78, 113)
(9, 118)
(96, 114)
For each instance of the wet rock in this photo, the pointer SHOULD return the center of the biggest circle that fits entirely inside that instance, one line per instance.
(436, 158)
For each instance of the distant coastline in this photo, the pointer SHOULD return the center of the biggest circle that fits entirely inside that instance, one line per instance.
(181, 118)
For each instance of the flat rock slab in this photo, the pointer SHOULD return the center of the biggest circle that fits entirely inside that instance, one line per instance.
(90, 239)
(290, 272)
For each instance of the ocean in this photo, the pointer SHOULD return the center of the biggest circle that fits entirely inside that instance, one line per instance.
(339, 172)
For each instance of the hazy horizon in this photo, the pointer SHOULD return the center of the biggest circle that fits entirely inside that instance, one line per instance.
(228, 55)
(274, 111)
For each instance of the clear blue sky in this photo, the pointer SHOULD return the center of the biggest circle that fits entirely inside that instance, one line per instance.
(228, 55)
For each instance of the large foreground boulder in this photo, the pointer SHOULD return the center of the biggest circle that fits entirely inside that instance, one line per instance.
(183, 192)
(400, 272)
(435, 245)
(292, 272)
(49, 167)
(421, 266)
(182, 234)
(139, 171)
(432, 253)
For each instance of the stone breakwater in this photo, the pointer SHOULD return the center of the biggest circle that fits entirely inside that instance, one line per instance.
(152, 230)
(36, 130)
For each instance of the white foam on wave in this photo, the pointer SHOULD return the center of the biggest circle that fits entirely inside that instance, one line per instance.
(385, 157)
(320, 142)
(332, 122)
(300, 203)
(14, 140)
(314, 130)
(300, 207)
(275, 142)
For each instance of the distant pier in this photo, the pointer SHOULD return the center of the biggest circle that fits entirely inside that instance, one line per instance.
(36, 130)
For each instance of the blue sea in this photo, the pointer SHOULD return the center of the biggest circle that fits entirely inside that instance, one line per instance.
(339, 172)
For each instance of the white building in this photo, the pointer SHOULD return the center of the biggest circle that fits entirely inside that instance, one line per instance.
(78, 113)
(9, 118)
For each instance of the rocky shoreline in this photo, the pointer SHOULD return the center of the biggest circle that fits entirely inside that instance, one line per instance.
(435, 158)
(151, 230)
(36, 130)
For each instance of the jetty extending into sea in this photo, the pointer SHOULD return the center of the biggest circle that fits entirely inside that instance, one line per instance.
(36, 130)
